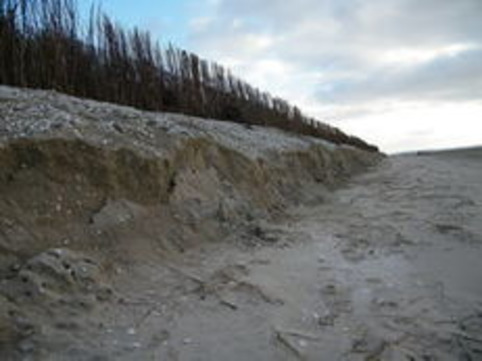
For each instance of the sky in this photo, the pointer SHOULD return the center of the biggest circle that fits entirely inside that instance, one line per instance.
(402, 74)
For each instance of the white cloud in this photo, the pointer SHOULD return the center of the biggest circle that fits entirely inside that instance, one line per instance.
(345, 60)
(417, 55)
(408, 127)
(200, 23)
(255, 42)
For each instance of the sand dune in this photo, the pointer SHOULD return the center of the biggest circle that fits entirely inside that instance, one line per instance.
(128, 235)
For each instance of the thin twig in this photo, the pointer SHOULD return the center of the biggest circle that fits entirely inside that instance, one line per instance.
(280, 337)
(193, 278)
(299, 334)
(146, 315)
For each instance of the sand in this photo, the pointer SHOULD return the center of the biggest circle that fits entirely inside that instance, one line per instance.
(381, 266)
(386, 268)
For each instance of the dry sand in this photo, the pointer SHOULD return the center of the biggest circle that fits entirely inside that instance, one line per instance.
(386, 268)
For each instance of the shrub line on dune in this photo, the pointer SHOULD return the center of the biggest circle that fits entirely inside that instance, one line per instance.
(44, 44)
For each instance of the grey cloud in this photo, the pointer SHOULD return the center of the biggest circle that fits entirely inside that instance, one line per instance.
(448, 78)
(342, 39)
(394, 20)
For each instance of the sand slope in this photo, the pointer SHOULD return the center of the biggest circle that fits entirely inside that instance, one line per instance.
(93, 195)
(277, 262)
(387, 268)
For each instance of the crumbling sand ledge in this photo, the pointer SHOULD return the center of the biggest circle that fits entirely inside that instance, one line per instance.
(64, 160)
(81, 179)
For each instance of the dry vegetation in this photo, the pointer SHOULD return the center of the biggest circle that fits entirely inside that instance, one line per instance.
(44, 44)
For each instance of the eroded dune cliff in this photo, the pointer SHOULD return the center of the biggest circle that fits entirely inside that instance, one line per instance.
(73, 169)
(87, 188)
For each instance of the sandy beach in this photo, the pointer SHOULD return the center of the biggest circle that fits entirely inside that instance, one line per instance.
(386, 268)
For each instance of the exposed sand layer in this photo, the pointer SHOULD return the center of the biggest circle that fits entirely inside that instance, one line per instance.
(127, 235)
(93, 176)
(226, 250)
(97, 200)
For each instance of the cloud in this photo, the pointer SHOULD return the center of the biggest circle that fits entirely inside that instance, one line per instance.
(450, 77)
(354, 43)
(350, 59)
(199, 24)
(424, 125)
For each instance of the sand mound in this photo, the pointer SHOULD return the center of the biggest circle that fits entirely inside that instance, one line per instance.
(124, 184)
(88, 188)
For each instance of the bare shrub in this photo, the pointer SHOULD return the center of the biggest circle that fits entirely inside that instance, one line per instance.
(43, 44)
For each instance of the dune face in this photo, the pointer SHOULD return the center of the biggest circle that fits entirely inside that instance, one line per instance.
(92, 192)
(71, 167)
(127, 235)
